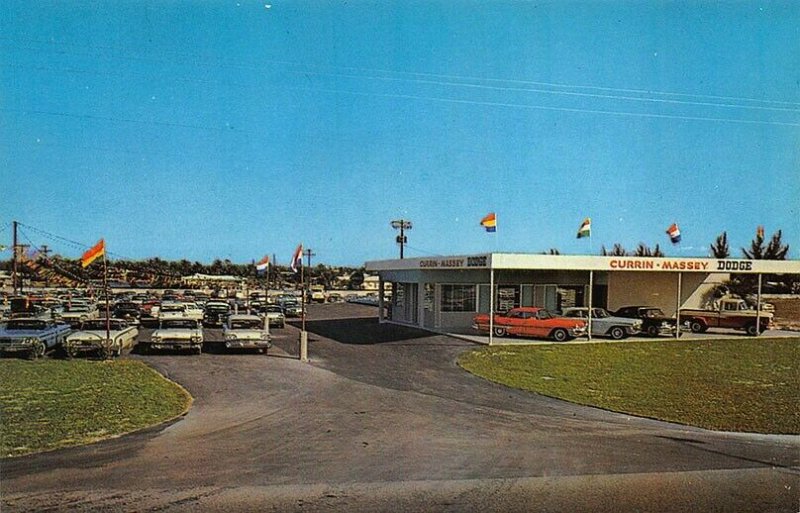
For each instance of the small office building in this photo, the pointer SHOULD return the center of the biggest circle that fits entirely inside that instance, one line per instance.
(444, 293)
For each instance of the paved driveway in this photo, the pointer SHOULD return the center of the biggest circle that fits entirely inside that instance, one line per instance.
(382, 419)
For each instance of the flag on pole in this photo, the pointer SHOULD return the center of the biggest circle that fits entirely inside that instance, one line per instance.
(490, 222)
(586, 228)
(94, 253)
(760, 232)
(263, 264)
(674, 233)
(297, 258)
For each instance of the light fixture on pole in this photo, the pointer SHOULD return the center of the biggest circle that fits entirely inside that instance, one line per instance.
(402, 225)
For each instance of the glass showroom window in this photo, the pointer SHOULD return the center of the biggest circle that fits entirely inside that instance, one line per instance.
(458, 298)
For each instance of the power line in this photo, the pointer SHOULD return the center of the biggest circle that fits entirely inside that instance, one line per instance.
(549, 108)
(425, 75)
(448, 84)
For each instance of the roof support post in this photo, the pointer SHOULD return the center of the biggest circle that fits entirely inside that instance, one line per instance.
(758, 306)
(678, 308)
(491, 303)
(381, 300)
(591, 286)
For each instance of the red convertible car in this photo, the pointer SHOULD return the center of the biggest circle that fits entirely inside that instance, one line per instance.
(530, 321)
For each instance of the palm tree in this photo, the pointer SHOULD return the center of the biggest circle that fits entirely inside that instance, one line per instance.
(720, 248)
(775, 249)
(617, 250)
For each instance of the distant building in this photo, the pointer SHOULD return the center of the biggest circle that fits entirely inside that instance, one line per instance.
(372, 283)
(211, 280)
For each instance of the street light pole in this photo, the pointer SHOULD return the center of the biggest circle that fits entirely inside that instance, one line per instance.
(402, 225)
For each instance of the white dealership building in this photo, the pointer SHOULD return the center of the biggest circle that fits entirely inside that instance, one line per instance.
(444, 293)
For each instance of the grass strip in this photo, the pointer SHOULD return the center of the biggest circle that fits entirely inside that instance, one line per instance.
(742, 384)
(47, 404)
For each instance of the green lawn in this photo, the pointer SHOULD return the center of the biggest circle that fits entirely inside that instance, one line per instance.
(742, 384)
(46, 404)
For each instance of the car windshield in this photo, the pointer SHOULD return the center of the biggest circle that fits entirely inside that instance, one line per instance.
(78, 308)
(171, 308)
(179, 324)
(653, 312)
(26, 324)
(217, 308)
(249, 324)
(543, 314)
(575, 313)
(99, 325)
(274, 309)
(600, 313)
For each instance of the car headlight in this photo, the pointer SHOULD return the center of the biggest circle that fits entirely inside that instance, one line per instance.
(29, 341)
(665, 324)
(155, 338)
(197, 338)
(230, 336)
(637, 324)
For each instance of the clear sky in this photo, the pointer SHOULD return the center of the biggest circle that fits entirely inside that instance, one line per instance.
(234, 129)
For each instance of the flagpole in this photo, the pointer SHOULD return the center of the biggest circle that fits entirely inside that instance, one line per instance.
(108, 314)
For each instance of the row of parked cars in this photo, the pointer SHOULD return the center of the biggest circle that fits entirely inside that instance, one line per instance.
(79, 325)
(725, 312)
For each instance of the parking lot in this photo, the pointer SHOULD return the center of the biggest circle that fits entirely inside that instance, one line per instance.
(383, 419)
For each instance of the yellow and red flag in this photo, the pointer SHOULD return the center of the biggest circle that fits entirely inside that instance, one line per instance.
(94, 253)
(489, 222)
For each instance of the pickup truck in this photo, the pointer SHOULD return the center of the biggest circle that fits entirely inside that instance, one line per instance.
(728, 312)
(31, 336)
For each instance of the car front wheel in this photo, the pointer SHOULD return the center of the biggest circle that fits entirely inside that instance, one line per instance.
(560, 335)
(617, 333)
(500, 332)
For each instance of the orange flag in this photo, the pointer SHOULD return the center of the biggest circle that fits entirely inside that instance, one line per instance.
(94, 253)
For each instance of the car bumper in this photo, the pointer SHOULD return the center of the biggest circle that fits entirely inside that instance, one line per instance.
(175, 345)
(15, 347)
(576, 332)
(248, 344)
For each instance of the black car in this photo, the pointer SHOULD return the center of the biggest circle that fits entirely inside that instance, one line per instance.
(127, 310)
(215, 313)
(654, 321)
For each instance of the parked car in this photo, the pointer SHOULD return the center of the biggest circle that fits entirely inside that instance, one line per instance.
(275, 316)
(291, 308)
(604, 324)
(91, 337)
(31, 336)
(177, 333)
(126, 310)
(216, 312)
(531, 321)
(246, 332)
(75, 312)
(654, 321)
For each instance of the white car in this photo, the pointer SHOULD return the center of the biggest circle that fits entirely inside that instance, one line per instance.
(604, 324)
(246, 332)
(91, 337)
(177, 333)
(76, 312)
(275, 316)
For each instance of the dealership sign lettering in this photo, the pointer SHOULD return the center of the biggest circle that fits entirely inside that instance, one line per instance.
(667, 264)
(473, 261)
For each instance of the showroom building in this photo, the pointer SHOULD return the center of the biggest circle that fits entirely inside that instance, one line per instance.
(444, 293)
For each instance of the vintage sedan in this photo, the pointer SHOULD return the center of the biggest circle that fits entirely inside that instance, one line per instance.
(530, 321)
(275, 316)
(604, 324)
(31, 336)
(654, 321)
(91, 338)
(177, 333)
(75, 312)
(243, 331)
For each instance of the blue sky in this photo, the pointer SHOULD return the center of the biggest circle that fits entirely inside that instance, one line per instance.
(234, 129)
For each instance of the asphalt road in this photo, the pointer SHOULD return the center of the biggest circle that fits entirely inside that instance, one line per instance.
(382, 419)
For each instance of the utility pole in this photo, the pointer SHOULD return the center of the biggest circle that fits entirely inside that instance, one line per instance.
(14, 259)
(45, 250)
(309, 253)
(402, 225)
